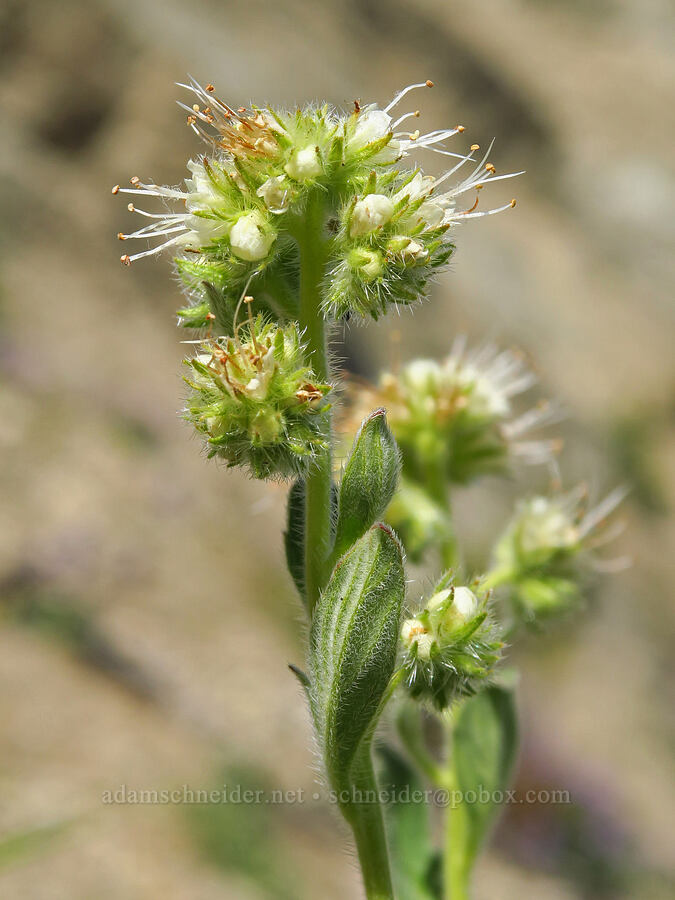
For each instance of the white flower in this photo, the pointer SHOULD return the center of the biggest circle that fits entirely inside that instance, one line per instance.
(370, 213)
(372, 124)
(465, 603)
(275, 193)
(304, 164)
(248, 238)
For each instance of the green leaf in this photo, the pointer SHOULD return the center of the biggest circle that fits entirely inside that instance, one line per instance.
(353, 643)
(294, 536)
(369, 480)
(484, 750)
(408, 826)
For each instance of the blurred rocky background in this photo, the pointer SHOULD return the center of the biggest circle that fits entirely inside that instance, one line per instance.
(146, 616)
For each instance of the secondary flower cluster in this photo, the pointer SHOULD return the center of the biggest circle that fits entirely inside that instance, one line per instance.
(544, 550)
(455, 418)
(255, 401)
(452, 646)
(238, 212)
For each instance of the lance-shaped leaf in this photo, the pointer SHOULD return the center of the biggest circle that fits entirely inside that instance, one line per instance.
(353, 647)
(294, 536)
(369, 480)
(484, 749)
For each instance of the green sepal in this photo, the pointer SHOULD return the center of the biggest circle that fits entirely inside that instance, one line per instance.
(369, 480)
(196, 316)
(352, 653)
(485, 740)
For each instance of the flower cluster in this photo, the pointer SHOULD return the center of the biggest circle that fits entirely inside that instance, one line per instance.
(238, 212)
(452, 646)
(455, 418)
(255, 400)
(545, 549)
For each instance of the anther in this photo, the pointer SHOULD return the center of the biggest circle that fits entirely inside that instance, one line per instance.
(475, 147)
(414, 135)
(416, 114)
(131, 207)
(513, 203)
(195, 106)
(125, 260)
(429, 83)
(490, 167)
(460, 128)
(120, 236)
(116, 189)
(210, 88)
(135, 180)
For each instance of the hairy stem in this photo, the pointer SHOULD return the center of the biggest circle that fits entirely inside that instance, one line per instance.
(363, 811)
(313, 246)
(456, 866)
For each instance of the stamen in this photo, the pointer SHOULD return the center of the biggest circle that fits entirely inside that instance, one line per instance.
(406, 90)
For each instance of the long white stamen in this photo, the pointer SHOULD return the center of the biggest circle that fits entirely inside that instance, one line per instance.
(406, 90)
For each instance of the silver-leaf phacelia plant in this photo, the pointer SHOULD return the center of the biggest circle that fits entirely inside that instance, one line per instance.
(289, 221)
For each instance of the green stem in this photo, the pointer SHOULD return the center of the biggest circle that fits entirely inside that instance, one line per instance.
(313, 251)
(456, 865)
(455, 868)
(364, 814)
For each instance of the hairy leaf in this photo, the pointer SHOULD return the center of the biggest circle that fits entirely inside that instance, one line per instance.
(369, 480)
(353, 647)
(484, 749)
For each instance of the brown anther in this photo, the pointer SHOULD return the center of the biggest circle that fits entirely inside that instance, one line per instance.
(429, 83)
(116, 189)
(135, 180)
(357, 106)
(479, 187)
(241, 109)
(490, 167)
(121, 236)
(513, 203)
(210, 88)
(131, 207)
(460, 128)
(210, 315)
(125, 260)
(191, 120)
(475, 147)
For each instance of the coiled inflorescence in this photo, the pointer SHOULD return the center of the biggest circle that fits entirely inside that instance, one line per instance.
(256, 402)
(452, 646)
(388, 225)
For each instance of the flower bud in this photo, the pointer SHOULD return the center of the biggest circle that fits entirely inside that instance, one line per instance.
(305, 164)
(276, 194)
(251, 238)
(409, 250)
(368, 263)
(370, 213)
(256, 402)
(451, 647)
